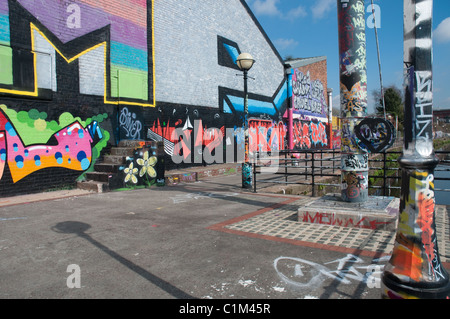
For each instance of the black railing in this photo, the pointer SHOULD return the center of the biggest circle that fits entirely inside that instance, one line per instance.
(318, 169)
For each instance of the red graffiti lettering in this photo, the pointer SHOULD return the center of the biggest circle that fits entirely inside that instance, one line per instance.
(309, 135)
(425, 222)
(332, 220)
(319, 134)
(266, 136)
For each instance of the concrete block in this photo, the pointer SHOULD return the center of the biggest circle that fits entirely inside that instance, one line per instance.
(376, 213)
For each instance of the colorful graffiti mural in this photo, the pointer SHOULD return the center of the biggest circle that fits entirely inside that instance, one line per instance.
(310, 134)
(96, 37)
(85, 57)
(186, 142)
(308, 95)
(196, 143)
(266, 136)
(71, 145)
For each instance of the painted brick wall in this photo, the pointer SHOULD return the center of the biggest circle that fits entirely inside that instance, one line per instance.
(187, 68)
(310, 104)
(124, 69)
(311, 97)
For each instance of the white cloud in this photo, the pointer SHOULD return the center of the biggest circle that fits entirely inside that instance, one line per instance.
(442, 32)
(271, 8)
(283, 44)
(297, 13)
(322, 7)
(336, 100)
(266, 7)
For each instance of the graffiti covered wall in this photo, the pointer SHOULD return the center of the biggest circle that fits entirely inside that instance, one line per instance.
(309, 89)
(115, 70)
(36, 153)
(310, 111)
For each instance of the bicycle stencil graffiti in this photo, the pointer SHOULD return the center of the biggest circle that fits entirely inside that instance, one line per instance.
(304, 274)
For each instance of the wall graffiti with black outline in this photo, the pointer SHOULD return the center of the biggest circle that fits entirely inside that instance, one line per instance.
(119, 61)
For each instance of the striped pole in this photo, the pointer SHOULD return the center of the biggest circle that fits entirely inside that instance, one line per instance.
(353, 91)
(415, 269)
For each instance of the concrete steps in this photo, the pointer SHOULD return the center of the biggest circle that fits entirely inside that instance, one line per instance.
(107, 173)
(105, 176)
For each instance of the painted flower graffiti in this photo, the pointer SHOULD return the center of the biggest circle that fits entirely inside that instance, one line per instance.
(141, 169)
(130, 173)
(147, 165)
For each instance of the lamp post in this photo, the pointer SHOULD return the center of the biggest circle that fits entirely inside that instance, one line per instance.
(245, 62)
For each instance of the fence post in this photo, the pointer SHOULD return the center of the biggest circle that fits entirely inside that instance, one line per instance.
(384, 173)
(254, 176)
(334, 153)
(285, 167)
(321, 163)
(312, 174)
(306, 165)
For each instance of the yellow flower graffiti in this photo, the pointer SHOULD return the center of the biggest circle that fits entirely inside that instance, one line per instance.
(147, 165)
(131, 174)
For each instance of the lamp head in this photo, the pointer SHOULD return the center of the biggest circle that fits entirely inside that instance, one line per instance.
(245, 61)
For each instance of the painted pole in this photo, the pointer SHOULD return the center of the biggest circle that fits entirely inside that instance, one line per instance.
(247, 170)
(330, 116)
(245, 62)
(353, 90)
(290, 110)
(415, 269)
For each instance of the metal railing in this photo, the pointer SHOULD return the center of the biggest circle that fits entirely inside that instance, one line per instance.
(318, 169)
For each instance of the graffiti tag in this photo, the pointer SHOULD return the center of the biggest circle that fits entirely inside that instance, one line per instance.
(129, 123)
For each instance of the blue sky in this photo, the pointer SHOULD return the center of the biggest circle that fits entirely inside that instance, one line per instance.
(308, 28)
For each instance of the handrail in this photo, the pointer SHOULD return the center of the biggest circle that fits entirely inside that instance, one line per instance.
(316, 164)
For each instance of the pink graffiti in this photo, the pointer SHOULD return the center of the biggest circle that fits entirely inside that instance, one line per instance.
(266, 136)
(319, 134)
(70, 148)
(309, 134)
(302, 139)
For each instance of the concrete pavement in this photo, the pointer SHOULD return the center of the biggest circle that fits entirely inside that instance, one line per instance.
(208, 240)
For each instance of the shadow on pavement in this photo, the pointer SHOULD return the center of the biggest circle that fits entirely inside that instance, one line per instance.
(79, 229)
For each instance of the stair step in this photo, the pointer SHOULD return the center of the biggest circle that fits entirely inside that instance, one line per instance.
(114, 159)
(122, 151)
(107, 167)
(93, 186)
(130, 143)
(107, 175)
(99, 176)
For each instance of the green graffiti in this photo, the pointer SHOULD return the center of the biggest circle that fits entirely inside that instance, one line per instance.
(33, 128)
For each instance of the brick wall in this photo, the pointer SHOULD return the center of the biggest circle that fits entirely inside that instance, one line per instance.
(310, 98)
(310, 104)
(122, 69)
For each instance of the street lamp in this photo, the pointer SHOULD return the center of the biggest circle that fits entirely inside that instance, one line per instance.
(245, 62)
